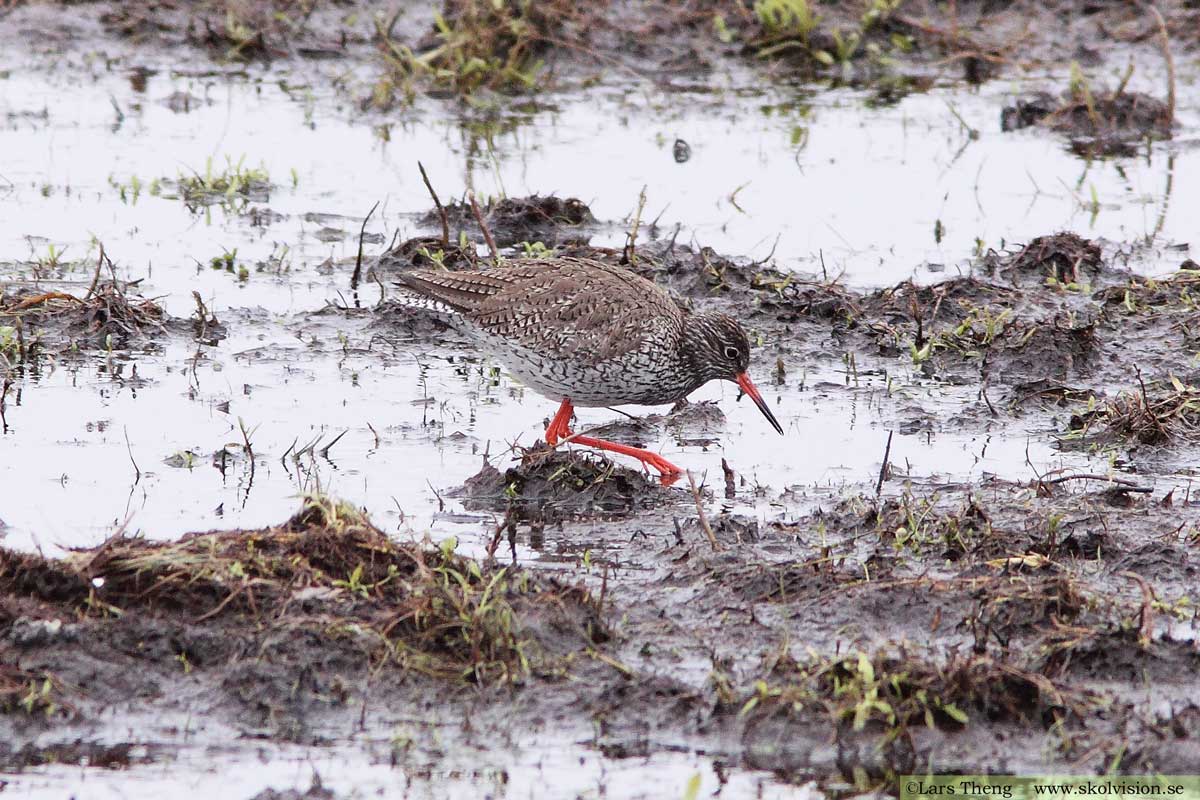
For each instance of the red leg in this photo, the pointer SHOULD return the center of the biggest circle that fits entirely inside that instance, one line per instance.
(668, 470)
(560, 426)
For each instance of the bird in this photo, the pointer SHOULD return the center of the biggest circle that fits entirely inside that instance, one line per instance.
(586, 333)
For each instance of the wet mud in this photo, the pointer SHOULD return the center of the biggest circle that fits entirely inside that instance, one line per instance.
(550, 485)
(1053, 610)
(278, 627)
(964, 626)
(830, 634)
(36, 325)
(513, 220)
(1112, 124)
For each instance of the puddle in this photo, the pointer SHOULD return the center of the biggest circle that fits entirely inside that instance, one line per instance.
(365, 770)
(410, 428)
(825, 173)
(848, 172)
(153, 440)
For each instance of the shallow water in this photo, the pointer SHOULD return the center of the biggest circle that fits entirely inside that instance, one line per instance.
(433, 426)
(812, 177)
(825, 173)
(364, 768)
(861, 186)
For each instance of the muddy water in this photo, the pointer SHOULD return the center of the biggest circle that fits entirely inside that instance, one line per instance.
(369, 769)
(865, 187)
(879, 193)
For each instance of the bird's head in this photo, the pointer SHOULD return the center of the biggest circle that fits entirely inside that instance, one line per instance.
(717, 348)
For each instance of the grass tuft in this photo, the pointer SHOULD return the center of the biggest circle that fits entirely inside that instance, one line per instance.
(32, 693)
(795, 29)
(481, 44)
(102, 318)
(235, 183)
(887, 695)
(1168, 413)
(328, 570)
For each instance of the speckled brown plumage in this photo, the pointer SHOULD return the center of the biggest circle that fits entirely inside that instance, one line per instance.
(588, 333)
(565, 307)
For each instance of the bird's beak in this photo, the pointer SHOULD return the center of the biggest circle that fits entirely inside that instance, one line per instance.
(749, 388)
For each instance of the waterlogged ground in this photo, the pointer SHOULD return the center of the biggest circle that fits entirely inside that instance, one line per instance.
(946, 366)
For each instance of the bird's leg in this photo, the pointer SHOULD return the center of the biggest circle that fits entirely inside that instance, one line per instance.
(668, 470)
(560, 426)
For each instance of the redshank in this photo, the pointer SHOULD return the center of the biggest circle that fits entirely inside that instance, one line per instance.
(590, 334)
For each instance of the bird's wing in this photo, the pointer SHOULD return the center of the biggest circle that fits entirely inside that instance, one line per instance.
(587, 311)
(461, 292)
(584, 310)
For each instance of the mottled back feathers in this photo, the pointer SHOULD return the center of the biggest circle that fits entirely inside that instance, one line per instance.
(585, 311)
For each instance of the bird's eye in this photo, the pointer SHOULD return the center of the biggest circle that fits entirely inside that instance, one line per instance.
(731, 353)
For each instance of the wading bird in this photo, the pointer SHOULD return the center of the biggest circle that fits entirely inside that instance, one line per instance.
(589, 334)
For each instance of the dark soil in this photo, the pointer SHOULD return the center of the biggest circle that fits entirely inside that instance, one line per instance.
(1019, 632)
(1066, 257)
(549, 220)
(1108, 124)
(105, 316)
(262, 30)
(280, 625)
(552, 485)
(315, 791)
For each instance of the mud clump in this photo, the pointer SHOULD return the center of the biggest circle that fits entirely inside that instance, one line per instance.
(1029, 601)
(81, 753)
(946, 302)
(1154, 296)
(512, 220)
(277, 620)
(236, 30)
(423, 252)
(1058, 347)
(1065, 256)
(28, 691)
(550, 221)
(882, 706)
(695, 424)
(792, 300)
(968, 328)
(1027, 112)
(314, 792)
(1022, 606)
(391, 315)
(550, 485)
(870, 45)
(694, 274)
(1047, 392)
(1106, 124)
(476, 44)
(108, 315)
(1160, 417)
